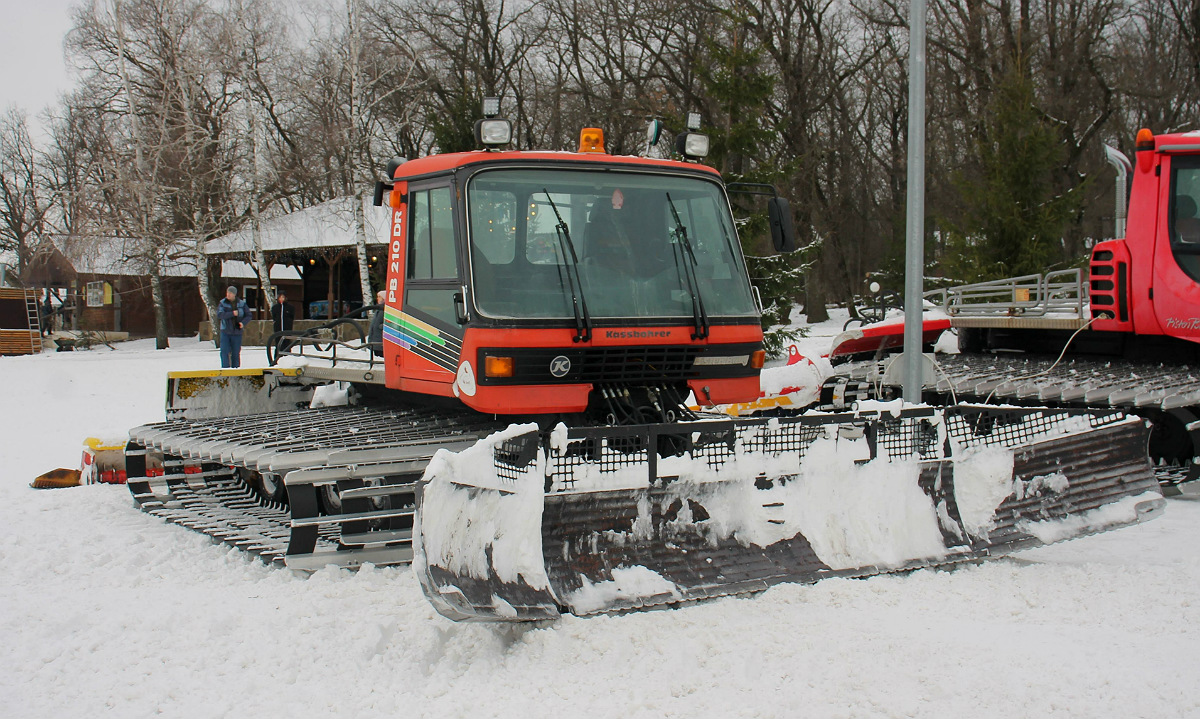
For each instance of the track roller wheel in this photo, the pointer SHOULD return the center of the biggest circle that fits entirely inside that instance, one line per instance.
(271, 487)
(330, 499)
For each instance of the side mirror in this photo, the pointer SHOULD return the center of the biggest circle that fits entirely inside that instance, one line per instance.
(783, 230)
(383, 185)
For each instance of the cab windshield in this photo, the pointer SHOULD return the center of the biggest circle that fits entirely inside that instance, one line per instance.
(625, 245)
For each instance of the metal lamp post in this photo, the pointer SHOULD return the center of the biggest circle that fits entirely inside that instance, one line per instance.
(914, 263)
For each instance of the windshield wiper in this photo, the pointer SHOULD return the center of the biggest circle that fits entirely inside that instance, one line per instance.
(583, 320)
(688, 270)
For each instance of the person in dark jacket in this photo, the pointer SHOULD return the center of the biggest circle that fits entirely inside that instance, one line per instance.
(233, 314)
(283, 317)
(47, 312)
(375, 331)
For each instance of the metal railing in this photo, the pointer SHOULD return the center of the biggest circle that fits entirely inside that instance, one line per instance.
(323, 341)
(1061, 291)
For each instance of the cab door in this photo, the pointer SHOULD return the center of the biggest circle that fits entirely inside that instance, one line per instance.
(427, 327)
(1177, 251)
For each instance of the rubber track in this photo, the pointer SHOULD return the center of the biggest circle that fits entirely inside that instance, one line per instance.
(1074, 382)
(1077, 382)
(218, 502)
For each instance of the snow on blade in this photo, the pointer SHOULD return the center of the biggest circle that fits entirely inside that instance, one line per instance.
(1121, 512)
(857, 515)
(461, 525)
(854, 515)
(629, 585)
(983, 479)
(1056, 483)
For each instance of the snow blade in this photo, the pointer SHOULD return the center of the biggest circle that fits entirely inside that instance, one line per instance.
(527, 525)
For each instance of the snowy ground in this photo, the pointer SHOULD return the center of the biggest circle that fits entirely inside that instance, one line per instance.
(107, 611)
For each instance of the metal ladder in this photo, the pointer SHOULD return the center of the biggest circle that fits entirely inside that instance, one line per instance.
(35, 322)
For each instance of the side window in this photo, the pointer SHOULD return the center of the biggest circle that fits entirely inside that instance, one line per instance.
(431, 244)
(1185, 214)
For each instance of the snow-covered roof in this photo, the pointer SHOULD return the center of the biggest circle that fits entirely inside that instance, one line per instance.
(329, 224)
(96, 255)
(236, 269)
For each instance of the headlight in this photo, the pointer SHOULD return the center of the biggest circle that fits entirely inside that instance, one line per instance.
(493, 132)
(693, 145)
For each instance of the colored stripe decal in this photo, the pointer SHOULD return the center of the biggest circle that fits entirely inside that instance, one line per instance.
(421, 338)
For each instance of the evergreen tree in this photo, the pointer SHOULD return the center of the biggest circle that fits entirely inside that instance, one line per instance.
(453, 126)
(1013, 219)
(737, 89)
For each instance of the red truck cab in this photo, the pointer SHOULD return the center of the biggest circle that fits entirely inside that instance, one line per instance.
(1148, 282)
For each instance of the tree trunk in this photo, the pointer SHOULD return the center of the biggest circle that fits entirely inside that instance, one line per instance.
(360, 243)
(260, 259)
(206, 290)
(814, 295)
(357, 152)
(160, 308)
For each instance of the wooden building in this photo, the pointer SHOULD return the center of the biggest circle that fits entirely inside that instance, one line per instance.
(318, 245)
(96, 286)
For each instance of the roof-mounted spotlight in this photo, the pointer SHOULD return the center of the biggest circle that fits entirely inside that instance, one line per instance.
(692, 144)
(491, 106)
(492, 132)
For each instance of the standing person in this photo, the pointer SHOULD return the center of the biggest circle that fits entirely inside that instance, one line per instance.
(47, 315)
(233, 315)
(375, 331)
(283, 316)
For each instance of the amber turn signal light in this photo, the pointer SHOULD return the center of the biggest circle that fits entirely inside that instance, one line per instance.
(757, 358)
(499, 367)
(1145, 140)
(591, 139)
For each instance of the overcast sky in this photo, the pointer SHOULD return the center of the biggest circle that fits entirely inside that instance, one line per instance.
(32, 70)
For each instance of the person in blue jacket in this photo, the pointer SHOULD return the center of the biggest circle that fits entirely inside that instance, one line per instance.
(233, 315)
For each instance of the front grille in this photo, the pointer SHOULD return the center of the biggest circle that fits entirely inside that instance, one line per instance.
(621, 365)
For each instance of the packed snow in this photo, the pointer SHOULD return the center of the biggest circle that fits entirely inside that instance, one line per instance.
(109, 611)
(460, 526)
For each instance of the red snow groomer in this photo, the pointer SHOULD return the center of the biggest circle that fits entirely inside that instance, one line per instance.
(1124, 334)
(528, 444)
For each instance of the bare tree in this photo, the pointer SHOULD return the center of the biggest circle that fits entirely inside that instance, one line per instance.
(167, 102)
(24, 200)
